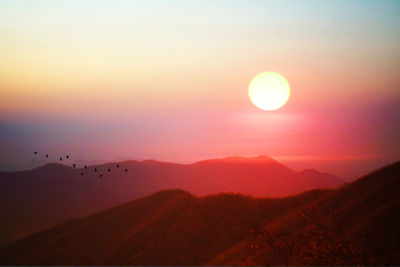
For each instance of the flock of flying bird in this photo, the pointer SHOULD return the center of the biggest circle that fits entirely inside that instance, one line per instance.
(85, 166)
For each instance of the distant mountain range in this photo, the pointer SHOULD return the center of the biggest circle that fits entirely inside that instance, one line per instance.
(38, 162)
(357, 224)
(42, 197)
(28, 165)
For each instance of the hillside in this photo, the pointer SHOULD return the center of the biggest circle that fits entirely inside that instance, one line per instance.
(51, 194)
(357, 224)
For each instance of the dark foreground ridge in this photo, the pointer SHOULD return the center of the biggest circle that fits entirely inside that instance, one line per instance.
(46, 196)
(357, 224)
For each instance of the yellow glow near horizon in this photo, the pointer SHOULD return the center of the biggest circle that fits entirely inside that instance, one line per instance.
(269, 90)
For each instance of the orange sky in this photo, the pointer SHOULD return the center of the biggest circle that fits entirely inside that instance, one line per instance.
(168, 79)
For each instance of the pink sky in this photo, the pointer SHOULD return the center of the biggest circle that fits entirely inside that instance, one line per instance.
(169, 81)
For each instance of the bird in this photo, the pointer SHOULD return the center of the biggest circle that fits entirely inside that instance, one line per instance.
(67, 157)
(47, 155)
(60, 158)
(126, 170)
(85, 166)
(95, 169)
(35, 152)
(109, 170)
(117, 165)
(101, 175)
(74, 165)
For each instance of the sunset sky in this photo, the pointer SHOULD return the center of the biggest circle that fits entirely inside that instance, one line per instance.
(168, 80)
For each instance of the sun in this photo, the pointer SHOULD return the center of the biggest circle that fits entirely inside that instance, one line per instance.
(269, 91)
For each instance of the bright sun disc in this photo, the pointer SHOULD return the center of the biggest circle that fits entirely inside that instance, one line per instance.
(269, 90)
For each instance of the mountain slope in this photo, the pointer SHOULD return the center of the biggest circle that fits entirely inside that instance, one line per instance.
(174, 225)
(357, 223)
(51, 194)
(360, 222)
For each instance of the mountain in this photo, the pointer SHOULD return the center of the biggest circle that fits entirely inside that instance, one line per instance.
(28, 165)
(37, 162)
(53, 193)
(356, 224)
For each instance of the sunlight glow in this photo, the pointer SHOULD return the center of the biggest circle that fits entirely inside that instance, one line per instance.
(269, 90)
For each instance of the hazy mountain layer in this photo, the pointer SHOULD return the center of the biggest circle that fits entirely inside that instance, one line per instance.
(36, 199)
(356, 224)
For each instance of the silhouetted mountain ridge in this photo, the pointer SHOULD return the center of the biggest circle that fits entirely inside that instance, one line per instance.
(360, 220)
(55, 192)
(237, 159)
